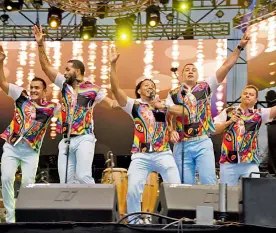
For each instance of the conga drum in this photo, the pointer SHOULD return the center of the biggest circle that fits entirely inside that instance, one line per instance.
(117, 176)
(150, 194)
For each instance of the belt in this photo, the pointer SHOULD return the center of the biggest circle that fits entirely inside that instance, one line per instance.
(196, 138)
(71, 135)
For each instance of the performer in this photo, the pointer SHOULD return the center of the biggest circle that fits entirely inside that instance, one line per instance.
(194, 149)
(150, 148)
(79, 98)
(240, 126)
(24, 135)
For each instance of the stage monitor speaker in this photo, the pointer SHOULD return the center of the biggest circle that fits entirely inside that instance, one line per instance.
(181, 200)
(67, 202)
(259, 205)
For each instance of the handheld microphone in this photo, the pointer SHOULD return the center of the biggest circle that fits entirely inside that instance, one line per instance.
(174, 69)
(151, 95)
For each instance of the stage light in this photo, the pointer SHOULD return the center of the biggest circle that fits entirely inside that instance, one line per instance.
(182, 5)
(13, 5)
(124, 27)
(220, 14)
(153, 15)
(88, 28)
(4, 18)
(54, 17)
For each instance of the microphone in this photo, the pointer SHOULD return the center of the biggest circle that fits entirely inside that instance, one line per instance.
(174, 69)
(151, 95)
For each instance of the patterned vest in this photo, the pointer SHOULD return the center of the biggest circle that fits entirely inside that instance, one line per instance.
(150, 129)
(30, 121)
(199, 121)
(80, 109)
(239, 143)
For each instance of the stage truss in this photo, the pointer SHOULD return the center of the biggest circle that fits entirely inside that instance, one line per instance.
(108, 32)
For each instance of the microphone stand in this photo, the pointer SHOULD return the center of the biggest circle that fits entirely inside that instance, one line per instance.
(183, 125)
(110, 158)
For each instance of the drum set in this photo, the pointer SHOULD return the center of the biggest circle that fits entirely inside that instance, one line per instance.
(118, 176)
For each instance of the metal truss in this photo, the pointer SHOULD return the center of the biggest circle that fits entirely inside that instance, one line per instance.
(108, 32)
(257, 15)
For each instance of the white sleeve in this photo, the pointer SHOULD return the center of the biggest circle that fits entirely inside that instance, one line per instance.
(57, 110)
(213, 83)
(129, 106)
(59, 81)
(265, 115)
(221, 118)
(169, 101)
(15, 91)
(100, 96)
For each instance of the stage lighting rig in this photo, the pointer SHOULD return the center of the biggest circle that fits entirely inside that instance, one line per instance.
(124, 27)
(54, 17)
(153, 15)
(13, 5)
(88, 28)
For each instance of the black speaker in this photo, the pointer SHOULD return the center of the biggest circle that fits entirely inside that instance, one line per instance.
(181, 200)
(67, 202)
(258, 205)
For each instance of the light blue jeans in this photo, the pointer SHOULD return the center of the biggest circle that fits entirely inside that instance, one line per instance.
(81, 155)
(12, 156)
(142, 164)
(231, 173)
(198, 155)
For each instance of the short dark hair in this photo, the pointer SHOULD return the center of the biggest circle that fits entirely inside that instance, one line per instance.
(77, 64)
(40, 80)
(252, 87)
(138, 86)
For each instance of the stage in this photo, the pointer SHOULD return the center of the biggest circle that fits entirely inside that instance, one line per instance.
(74, 227)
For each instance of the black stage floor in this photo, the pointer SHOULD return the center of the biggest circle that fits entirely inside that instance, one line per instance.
(120, 228)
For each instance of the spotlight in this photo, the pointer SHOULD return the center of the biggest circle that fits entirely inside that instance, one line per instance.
(153, 15)
(220, 14)
(124, 27)
(182, 5)
(13, 5)
(4, 18)
(54, 17)
(88, 28)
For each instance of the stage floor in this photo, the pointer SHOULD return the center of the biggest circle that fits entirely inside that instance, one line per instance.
(74, 227)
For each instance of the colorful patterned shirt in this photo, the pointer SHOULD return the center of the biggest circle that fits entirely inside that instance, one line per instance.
(78, 108)
(150, 127)
(240, 139)
(197, 101)
(30, 120)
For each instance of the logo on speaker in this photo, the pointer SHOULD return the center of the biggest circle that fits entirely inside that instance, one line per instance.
(66, 196)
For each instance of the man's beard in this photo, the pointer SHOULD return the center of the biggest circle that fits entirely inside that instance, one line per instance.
(71, 79)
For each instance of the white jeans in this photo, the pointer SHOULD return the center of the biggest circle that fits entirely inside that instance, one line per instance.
(231, 173)
(142, 164)
(12, 156)
(81, 155)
